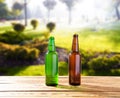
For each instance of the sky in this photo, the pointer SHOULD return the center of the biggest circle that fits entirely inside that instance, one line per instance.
(88, 8)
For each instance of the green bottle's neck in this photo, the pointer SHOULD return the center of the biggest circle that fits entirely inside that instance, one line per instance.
(51, 48)
(51, 44)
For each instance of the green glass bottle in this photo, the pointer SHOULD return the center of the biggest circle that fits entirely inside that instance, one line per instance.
(51, 64)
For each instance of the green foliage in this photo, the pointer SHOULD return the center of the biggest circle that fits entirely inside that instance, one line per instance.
(33, 70)
(39, 44)
(3, 10)
(92, 43)
(17, 8)
(12, 37)
(51, 26)
(15, 52)
(86, 57)
(34, 23)
(63, 68)
(23, 53)
(18, 27)
(3, 28)
(104, 63)
(100, 63)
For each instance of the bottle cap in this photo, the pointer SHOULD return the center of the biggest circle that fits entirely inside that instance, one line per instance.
(51, 38)
(75, 35)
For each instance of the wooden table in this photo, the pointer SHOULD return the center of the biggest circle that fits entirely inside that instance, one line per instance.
(34, 87)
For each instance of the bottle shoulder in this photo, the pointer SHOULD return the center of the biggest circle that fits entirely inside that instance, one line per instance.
(52, 52)
(74, 53)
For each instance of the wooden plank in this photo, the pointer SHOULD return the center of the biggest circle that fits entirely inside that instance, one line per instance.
(34, 86)
(46, 94)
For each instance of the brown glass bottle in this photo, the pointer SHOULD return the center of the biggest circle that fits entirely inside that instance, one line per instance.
(74, 63)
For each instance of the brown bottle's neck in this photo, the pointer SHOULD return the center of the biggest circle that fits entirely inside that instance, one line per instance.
(75, 44)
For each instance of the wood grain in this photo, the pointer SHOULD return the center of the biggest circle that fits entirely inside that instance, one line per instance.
(34, 87)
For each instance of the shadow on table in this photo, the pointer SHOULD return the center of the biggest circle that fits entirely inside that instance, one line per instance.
(71, 88)
(89, 90)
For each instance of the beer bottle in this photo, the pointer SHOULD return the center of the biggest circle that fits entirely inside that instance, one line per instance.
(74, 63)
(51, 64)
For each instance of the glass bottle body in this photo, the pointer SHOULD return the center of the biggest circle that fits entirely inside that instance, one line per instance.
(51, 64)
(74, 63)
(74, 68)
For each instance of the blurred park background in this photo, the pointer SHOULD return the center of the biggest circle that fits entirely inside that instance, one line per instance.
(26, 25)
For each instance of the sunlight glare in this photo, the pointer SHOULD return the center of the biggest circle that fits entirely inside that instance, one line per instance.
(86, 10)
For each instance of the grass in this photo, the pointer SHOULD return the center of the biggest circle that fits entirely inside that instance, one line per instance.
(99, 40)
(39, 70)
(33, 70)
(5, 28)
(95, 40)
(90, 40)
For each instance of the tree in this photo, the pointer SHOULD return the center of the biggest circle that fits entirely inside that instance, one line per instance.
(49, 4)
(51, 26)
(117, 5)
(25, 10)
(3, 10)
(69, 4)
(34, 23)
(17, 8)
